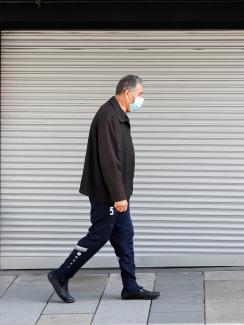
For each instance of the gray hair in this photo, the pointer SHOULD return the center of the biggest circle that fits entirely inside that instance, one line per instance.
(128, 82)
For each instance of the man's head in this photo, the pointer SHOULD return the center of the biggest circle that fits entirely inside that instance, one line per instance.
(129, 92)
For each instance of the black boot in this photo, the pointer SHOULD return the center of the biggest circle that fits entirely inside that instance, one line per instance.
(141, 294)
(64, 284)
(60, 287)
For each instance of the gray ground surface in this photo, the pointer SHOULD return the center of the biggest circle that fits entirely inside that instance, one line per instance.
(213, 295)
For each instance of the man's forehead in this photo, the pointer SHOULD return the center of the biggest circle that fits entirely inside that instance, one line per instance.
(139, 88)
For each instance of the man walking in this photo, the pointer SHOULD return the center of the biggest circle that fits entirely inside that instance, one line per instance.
(107, 180)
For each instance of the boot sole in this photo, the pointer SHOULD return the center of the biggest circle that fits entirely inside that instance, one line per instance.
(140, 298)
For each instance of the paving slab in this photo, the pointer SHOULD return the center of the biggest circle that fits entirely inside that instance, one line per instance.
(179, 292)
(89, 282)
(170, 281)
(176, 318)
(181, 299)
(5, 282)
(87, 291)
(24, 300)
(224, 290)
(224, 275)
(162, 305)
(225, 312)
(64, 319)
(224, 301)
(116, 311)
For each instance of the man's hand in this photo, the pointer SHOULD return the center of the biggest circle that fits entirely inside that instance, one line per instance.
(121, 206)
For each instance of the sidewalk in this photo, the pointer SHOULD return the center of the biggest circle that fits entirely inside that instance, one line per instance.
(188, 296)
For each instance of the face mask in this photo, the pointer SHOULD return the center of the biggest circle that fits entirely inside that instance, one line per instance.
(136, 104)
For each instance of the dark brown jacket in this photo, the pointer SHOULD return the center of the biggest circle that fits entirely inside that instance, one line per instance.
(110, 160)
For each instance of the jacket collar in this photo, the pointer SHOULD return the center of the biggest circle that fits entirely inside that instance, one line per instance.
(120, 113)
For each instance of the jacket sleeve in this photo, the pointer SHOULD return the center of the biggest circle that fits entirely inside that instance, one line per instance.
(109, 156)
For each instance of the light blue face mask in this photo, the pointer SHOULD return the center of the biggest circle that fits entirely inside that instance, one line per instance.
(138, 102)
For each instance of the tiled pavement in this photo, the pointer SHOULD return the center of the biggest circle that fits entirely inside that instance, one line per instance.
(193, 296)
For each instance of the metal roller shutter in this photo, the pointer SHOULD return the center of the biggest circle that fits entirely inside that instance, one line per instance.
(187, 207)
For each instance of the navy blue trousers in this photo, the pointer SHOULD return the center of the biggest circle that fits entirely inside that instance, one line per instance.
(107, 224)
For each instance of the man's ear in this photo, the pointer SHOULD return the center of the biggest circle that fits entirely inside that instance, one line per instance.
(128, 95)
(127, 92)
